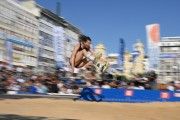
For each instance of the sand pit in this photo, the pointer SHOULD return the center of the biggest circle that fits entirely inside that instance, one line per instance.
(54, 109)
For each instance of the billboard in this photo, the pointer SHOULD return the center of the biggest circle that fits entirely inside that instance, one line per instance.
(153, 34)
(153, 38)
(59, 40)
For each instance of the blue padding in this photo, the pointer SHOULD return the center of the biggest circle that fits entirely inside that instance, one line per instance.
(119, 95)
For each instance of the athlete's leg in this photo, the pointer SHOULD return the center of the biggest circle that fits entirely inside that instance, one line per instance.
(88, 55)
(88, 64)
(85, 64)
(84, 59)
(78, 59)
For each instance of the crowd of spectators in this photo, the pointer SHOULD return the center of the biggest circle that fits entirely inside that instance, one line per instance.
(14, 82)
(24, 82)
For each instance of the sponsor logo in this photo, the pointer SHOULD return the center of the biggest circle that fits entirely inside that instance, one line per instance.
(128, 93)
(98, 91)
(165, 95)
(176, 94)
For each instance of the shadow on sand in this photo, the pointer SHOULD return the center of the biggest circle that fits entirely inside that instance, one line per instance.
(20, 117)
(34, 96)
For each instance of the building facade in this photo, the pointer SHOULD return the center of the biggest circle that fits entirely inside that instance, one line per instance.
(128, 64)
(134, 62)
(18, 34)
(57, 40)
(138, 59)
(46, 55)
(112, 59)
(169, 64)
(34, 37)
(71, 36)
(100, 48)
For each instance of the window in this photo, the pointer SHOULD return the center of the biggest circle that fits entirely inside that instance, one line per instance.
(168, 74)
(168, 67)
(47, 39)
(162, 49)
(68, 40)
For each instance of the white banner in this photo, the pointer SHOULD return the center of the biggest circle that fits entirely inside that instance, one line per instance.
(9, 52)
(59, 40)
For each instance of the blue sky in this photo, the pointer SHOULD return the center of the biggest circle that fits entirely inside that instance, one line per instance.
(105, 21)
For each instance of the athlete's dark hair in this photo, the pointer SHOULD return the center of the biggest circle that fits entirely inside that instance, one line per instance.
(83, 38)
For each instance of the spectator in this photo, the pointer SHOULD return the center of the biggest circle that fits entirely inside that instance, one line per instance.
(94, 84)
(41, 89)
(59, 84)
(63, 90)
(131, 85)
(76, 89)
(114, 84)
(31, 88)
(147, 86)
(105, 85)
(170, 86)
(3, 84)
(177, 85)
(53, 87)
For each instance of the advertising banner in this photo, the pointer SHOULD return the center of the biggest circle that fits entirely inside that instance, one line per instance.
(129, 95)
(59, 40)
(153, 34)
(153, 38)
(9, 52)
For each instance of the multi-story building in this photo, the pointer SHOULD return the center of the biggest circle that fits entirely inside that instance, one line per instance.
(127, 64)
(46, 55)
(134, 62)
(138, 59)
(146, 63)
(34, 39)
(71, 36)
(57, 40)
(112, 59)
(169, 63)
(18, 33)
(100, 48)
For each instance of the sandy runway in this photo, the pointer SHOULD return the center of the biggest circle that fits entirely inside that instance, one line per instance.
(54, 109)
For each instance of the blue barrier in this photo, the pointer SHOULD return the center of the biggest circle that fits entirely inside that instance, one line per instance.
(128, 95)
